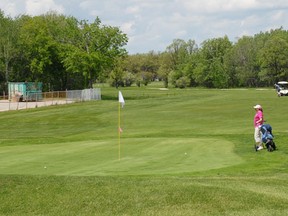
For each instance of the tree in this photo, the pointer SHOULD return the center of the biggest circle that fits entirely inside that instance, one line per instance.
(241, 63)
(96, 49)
(211, 71)
(57, 50)
(8, 47)
(120, 76)
(274, 62)
(178, 60)
(144, 67)
(189, 67)
(41, 51)
(178, 51)
(166, 67)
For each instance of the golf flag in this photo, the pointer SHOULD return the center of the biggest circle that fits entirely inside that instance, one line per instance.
(121, 99)
(122, 103)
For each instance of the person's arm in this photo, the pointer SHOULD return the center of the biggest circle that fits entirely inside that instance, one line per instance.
(260, 120)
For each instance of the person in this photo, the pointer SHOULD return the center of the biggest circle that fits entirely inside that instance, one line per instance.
(278, 88)
(258, 121)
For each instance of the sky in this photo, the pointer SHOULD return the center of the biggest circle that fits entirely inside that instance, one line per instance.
(154, 24)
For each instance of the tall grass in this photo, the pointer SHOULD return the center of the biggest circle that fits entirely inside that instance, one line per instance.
(183, 152)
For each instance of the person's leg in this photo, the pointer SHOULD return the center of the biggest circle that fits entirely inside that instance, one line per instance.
(257, 137)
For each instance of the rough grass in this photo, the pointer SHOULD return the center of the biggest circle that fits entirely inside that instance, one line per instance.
(183, 152)
(131, 195)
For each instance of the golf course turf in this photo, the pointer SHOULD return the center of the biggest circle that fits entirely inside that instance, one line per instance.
(182, 152)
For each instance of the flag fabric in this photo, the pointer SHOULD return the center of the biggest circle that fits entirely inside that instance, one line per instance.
(121, 99)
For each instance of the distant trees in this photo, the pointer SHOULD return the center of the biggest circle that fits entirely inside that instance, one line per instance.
(140, 69)
(211, 70)
(179, 54)
(273, 60)
(241, 63)
(65, 53)
(260, 60)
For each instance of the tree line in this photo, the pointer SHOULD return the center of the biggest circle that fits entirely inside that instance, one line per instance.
(252, 61)
(65, 53)
(59, 51)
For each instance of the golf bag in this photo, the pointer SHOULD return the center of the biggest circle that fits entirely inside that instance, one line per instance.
(267, 137)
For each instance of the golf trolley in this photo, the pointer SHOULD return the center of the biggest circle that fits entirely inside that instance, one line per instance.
(267, 137)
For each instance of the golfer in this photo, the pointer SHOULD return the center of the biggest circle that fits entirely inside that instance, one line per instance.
(258, 121)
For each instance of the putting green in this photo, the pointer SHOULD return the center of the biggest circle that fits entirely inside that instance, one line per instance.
(138, 156)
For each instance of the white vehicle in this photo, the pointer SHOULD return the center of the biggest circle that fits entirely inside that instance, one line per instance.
(282, 88)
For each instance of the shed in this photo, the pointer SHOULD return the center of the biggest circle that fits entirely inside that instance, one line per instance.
(25, 91)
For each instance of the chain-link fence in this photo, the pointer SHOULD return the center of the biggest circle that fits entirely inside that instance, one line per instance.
(84, 95)
(33, 100)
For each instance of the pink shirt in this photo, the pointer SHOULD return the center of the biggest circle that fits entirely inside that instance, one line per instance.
(257, 117)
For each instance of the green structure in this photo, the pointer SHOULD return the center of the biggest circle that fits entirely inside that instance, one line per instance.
(25, 91)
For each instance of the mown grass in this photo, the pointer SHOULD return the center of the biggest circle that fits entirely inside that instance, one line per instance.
(131, 195)
(183, 152)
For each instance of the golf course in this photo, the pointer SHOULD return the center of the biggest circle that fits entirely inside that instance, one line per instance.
(180, 152)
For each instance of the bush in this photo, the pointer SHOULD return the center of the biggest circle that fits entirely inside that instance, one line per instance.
(182, 82)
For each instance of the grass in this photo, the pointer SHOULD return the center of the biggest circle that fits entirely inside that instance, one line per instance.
(183, 152)
(139, 156)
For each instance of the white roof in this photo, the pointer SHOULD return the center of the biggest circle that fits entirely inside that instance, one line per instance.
(283, 82)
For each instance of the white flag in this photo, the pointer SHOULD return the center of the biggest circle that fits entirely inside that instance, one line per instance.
(121, 99)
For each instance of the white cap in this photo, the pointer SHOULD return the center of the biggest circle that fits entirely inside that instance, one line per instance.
(257, 106)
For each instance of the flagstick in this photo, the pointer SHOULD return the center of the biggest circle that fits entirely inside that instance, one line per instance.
(122, 102)
(119, 132)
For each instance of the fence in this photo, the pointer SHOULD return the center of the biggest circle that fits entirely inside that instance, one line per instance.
(50, 98)
(84, 95)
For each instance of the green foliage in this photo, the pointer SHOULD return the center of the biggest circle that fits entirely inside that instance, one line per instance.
(55, 49)
(166, 67)
(241, 63)
(143, 67)
(251, 61)
(129, 79)
(182, 82)
(212, 55)
(95, 50)
(63, 52)
(273, 57)
(179, 57)
(117, 77)
(8, 47)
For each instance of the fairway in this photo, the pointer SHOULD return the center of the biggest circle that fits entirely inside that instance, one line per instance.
(181, 152)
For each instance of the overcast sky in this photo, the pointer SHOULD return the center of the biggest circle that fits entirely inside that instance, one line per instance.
(154, 24)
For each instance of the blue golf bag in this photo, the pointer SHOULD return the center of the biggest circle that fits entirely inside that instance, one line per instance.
(267, 137)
